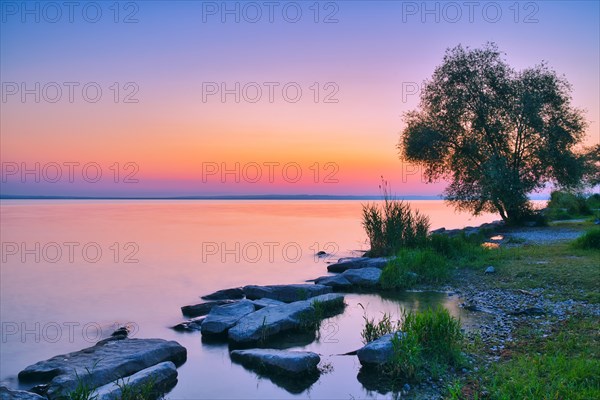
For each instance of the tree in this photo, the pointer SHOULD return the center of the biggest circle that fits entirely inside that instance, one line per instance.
(592, 172)
(495, 134)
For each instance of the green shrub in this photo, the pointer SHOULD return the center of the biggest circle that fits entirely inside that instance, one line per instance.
(593, 202)
(590, 240)
(566, 205)
(414, 266)
(393, 225)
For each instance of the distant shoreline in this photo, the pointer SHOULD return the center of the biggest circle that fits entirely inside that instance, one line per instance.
(222, 197)
(230, 197)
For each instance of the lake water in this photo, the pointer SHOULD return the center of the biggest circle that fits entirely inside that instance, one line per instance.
(73, 270)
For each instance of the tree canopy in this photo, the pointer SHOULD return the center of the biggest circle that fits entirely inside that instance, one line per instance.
(494, 133)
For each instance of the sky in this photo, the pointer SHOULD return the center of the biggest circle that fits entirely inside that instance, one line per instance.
(180, 98)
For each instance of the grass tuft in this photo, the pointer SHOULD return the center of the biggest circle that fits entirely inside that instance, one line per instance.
(590, 240)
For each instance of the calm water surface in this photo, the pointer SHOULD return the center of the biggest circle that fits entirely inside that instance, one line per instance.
(72, 270)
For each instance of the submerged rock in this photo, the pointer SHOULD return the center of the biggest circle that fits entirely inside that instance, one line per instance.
(356, 263)
(198, 310)
(101, 364)
(9, 394)
(162, 377)
(379, 351)
(274, 320)
(225, 294)
(285, 293)
(189, 326)
(278, 361)
(221, 318)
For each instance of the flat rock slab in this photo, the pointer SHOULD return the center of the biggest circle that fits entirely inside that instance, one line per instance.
(358, 262)
(162, 377)
(274, 320)
(198, 310)
(8, 394)
(262, 303)
(278, 361)
(221, 318)
(103, 363)
(378, 352)
(225, 294)
(286, 293)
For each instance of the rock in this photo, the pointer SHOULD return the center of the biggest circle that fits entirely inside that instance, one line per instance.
(438, 231)
(103, 363)
(198, 310)
(377, 352)
(490, 270)
(366, 277)
(470, 231)
(189, 326)
(321, 254)
(225, 294)
(221, 318)
(162, 377)
(290, 362)
(453, 232)
(286, 293)
(358, 262)
(475, 308)
(529, 311)
(335, 281)
(266, 302)
(121, 331)
(8, 394)
(274, 320)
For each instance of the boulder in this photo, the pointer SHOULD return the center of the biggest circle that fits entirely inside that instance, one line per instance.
(198, 310)
(358, 262)
(379, 351)
(162, 377)
(365, 277)
(221, 318)
(274, 320)
(95, 366)
(8, 394)
(285, 293)
(278, 361)
(225, 294)
(337, 282)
